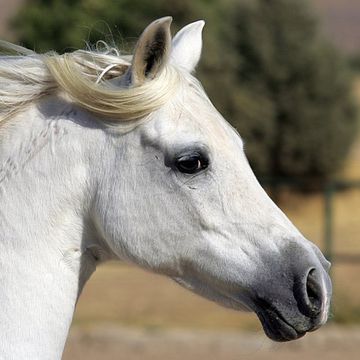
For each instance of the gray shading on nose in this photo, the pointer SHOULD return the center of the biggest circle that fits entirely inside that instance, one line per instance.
(312, 285)
(296, 297)
(310, 293)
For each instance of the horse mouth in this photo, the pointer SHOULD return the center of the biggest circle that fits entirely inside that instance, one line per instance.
(274, 323)
(275, 326)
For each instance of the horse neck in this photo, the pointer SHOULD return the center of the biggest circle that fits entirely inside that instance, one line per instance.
(47, 243)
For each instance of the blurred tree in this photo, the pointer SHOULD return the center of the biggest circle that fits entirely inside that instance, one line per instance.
(294, 103)
(60, 24)
(354, 62)
(284, 87)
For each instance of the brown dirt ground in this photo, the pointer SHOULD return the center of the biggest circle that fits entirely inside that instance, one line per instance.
(110, 343)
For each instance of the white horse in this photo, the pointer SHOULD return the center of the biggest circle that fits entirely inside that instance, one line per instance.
(106, 157)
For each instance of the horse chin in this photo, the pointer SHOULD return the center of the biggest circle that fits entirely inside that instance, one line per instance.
(274, 324)
(279, 327)
(276, 327)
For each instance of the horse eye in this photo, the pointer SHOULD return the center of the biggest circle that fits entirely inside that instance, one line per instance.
(191, 164)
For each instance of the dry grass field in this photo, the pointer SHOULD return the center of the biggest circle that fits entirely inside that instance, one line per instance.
(110, 343)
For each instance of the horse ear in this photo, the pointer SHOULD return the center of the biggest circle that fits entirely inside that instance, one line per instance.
(186, 46)
(152, 51)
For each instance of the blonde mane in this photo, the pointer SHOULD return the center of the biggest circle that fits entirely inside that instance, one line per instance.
(89, 78)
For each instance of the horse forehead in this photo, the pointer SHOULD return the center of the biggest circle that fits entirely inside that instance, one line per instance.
(195, 121)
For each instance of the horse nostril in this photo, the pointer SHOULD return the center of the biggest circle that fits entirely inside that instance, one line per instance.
(314, 293)
(310, 294)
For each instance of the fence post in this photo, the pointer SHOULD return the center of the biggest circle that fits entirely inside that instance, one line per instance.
(328, 220)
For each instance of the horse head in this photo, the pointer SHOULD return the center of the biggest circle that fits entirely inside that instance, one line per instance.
(177, 196)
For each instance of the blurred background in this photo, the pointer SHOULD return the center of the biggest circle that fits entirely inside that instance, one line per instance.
(286, 74)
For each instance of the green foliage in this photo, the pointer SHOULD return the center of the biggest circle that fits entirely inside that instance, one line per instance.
(264, 65)
(354, 62)
(303, 87)
(64, 24)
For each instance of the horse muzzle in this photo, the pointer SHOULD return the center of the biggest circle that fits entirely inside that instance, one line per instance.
(295, 305)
